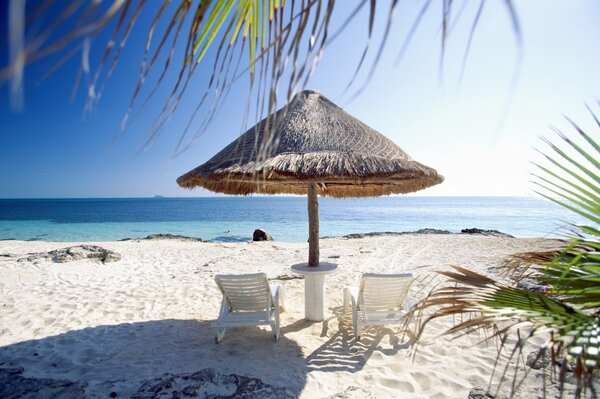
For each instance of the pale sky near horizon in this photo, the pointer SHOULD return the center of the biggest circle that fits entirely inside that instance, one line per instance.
(479, 134)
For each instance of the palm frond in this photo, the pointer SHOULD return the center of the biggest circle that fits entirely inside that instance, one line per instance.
(574, 273)
(568, 305)
(279, 39)
(575, 334)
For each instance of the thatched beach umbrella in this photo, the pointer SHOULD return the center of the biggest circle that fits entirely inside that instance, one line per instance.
(311, 146)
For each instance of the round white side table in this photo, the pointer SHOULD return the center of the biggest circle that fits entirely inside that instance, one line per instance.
(314, 288)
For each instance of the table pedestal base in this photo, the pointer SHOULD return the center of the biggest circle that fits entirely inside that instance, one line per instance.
(315, 303)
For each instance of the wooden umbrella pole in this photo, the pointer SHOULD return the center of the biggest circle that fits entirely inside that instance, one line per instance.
(313, 225)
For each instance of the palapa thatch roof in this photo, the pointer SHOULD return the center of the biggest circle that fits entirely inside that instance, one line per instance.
(312, 139)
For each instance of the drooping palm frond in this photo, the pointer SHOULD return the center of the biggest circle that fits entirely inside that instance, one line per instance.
(264, 40)
(575, 334)
(571, 272)
(568, 306)
(522, 266)
(573, 181)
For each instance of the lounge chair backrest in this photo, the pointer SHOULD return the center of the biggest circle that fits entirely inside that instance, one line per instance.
(246, 292)
(382, 292)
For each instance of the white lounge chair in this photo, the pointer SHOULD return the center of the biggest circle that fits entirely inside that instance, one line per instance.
(381, 299)
(248, 300)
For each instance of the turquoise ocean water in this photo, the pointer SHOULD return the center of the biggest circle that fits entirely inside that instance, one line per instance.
(285, 218)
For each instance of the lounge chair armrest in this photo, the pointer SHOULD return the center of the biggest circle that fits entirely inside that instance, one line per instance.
(350, 297)
(353, 292)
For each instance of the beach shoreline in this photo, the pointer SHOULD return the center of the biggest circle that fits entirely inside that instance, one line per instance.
(115, 327)
(233, 219)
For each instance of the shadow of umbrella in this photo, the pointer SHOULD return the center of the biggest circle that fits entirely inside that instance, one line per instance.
(121, 358)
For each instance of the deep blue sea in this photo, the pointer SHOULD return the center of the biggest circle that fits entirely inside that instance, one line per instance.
(285, 218)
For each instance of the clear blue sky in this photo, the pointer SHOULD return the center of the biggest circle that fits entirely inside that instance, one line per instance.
(466, 132)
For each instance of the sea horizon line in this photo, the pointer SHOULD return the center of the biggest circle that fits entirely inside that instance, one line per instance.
(159, 197)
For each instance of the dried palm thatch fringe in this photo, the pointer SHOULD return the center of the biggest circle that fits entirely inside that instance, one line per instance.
(523, 265)
(312, 140)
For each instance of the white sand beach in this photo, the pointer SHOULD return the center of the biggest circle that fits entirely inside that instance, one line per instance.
(116, 325)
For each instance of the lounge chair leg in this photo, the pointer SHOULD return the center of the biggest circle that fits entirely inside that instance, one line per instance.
(220, 335)
(356, 330)
(275, 329)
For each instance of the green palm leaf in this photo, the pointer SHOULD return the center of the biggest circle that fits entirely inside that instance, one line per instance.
(575, 333)
(570, 307)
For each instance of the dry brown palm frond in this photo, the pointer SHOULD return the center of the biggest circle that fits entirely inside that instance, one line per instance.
(525, 265)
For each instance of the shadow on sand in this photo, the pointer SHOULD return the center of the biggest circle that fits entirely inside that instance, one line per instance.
(146, 358)
(341, 352)
(119, 359)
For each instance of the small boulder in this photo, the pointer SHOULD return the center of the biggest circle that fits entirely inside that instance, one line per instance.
(538, 359)
(261, 235)
(479, 393)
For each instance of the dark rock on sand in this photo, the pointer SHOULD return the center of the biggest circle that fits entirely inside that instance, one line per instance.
(392, 233)
(208, 383)
(431, 231)
(167, 236)
(479, 393)
(493, 233)
(533, 285)
(261, 235)
(538, 359)
(13, 385)
(76, 252)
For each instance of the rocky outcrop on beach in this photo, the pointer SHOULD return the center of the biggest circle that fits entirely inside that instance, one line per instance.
(261, 235)
(493, 233)
(166, 236)
(14, 385)
(391, 233)
(73, 253)
(208, 383)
